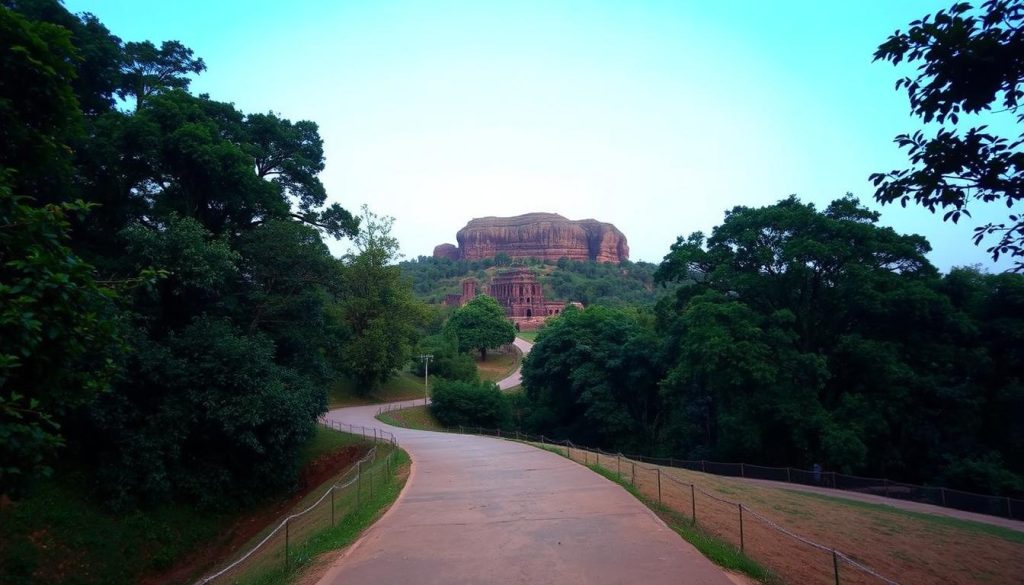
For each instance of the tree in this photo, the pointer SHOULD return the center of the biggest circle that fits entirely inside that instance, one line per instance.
(380, 316)
(39, 115)
(57, 335)
(593, 376)
(456, 403)
(147, 70)
(481, 324)
(968, 61)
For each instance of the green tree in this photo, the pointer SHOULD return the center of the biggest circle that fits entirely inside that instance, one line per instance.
(456, 403)
(593, 376)
(380, 315)
(147, 70)
(481, 324)
(39, 115)
(968, 61)
(57, 335)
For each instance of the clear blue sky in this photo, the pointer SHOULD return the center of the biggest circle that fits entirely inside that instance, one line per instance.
(656, 116)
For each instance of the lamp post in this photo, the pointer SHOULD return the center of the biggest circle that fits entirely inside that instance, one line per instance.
(425, 358)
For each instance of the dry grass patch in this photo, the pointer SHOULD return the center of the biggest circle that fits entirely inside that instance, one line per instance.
(909, 547)
(500, 363)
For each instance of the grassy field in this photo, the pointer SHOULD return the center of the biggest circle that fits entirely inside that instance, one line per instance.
(415, 417)
(530, 336)
(910, 547)
(404, 386)
(499, 364)
(61, 534)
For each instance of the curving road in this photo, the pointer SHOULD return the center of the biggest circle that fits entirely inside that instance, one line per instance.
(481, 510)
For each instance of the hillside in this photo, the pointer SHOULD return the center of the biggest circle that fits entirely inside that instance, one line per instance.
(591, 283)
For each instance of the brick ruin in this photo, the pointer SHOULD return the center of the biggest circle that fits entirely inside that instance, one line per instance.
(519, 293)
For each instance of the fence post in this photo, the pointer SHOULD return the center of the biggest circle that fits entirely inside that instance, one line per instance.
(671, 462)
(702, 467)
(740, 506)
(789, 476)
(359, 483)
(835, 565)
(461, 432)
(332, 505)
(743, 471)
(632, 479)
(499, 432)
(287, 538)
(693, 504)
(1009, 508)
(659, 484)
(618, 465)
(942, 492)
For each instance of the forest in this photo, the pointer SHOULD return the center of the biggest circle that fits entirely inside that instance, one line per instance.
(590, 283)
(813, 336)
(165, 285)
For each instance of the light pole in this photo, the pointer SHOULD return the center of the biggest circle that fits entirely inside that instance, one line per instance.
(425, 358)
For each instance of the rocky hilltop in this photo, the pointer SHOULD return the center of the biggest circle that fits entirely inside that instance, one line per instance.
(547, 236)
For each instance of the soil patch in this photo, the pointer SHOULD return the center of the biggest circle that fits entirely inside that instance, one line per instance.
(312, 475)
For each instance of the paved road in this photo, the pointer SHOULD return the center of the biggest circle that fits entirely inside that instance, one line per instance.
(515, 378)
(478, 510)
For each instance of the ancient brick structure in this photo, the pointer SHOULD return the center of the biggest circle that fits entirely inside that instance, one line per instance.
(519, 293)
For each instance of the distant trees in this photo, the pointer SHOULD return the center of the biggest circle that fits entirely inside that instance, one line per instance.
(968, 61)
(808, 336)
(481, 324)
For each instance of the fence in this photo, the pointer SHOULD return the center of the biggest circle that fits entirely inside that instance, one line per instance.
(291, 540)
(794, 557)
(1002, 506)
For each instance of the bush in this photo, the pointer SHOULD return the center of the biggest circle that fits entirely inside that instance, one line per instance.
(457, 403)
(448, 363)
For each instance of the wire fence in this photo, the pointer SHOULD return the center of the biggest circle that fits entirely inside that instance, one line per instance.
(793, 557)
(1002, 506)
(290, 542)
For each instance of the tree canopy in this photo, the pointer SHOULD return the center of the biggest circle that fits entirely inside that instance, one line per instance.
(170, 315)
(969, 61)
(481, 324)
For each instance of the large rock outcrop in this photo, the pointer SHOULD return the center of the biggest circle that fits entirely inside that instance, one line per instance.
(547, 236)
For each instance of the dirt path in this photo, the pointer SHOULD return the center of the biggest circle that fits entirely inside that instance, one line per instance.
(480, 510)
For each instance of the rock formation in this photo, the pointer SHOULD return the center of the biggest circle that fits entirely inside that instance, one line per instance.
(547, 236)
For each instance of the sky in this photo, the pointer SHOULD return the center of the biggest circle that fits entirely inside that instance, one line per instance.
(654, 116)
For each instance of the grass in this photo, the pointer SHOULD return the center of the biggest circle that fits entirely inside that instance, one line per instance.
(324, 442)
(944, 521)
(414, 417)
(715, 549)
(303, 556)
(530, 336)
(403, 386)
(498, 365)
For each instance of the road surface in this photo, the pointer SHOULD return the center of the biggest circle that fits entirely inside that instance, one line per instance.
(479, 510)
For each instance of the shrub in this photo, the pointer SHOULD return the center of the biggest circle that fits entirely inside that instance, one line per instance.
(457, 403)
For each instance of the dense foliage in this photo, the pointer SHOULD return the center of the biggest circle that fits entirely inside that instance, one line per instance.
(480, 324)
(812, 337)
(456, 403)
(170, 310)
(969, 62)
(590, 283)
